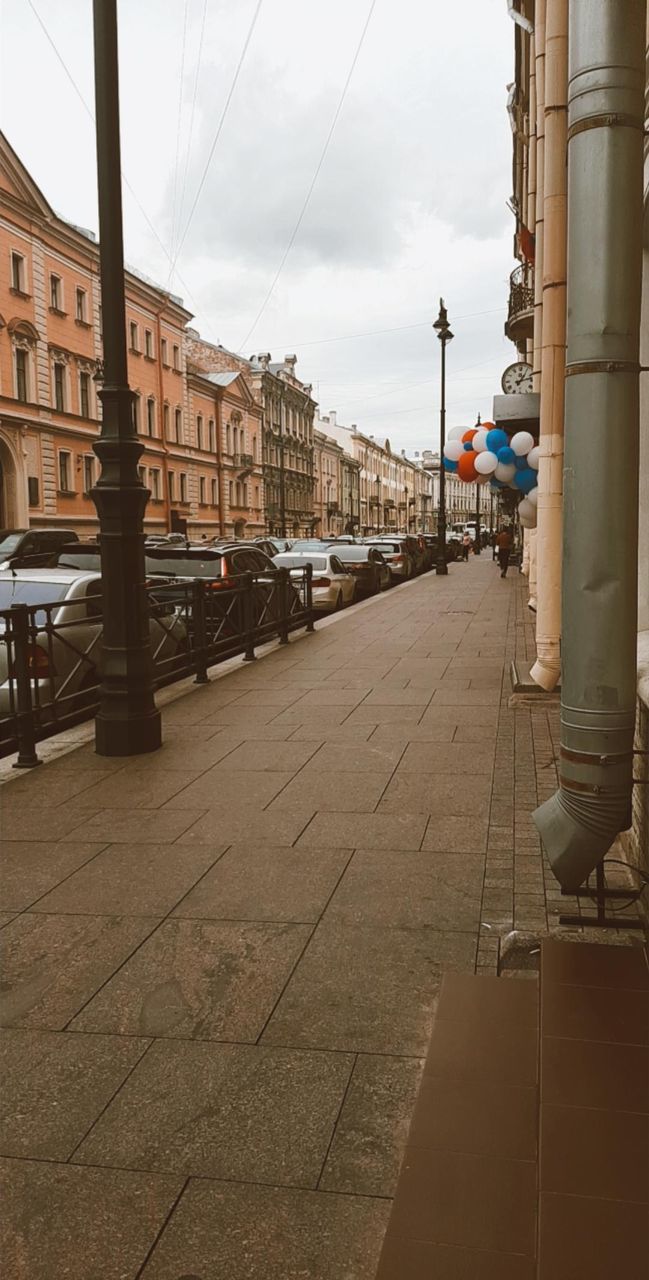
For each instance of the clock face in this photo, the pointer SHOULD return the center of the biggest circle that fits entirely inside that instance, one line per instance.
(517, 379)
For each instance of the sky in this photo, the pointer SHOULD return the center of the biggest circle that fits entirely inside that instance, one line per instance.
(408, 203)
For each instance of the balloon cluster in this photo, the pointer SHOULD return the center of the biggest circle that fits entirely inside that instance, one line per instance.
(488, 455)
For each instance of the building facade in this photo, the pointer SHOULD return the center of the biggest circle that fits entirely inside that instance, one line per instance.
(460, 499)
(395, 493)
(287, 412)
(328, 504)
(50, 370)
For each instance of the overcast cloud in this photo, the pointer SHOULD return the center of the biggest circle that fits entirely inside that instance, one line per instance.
(409, 204)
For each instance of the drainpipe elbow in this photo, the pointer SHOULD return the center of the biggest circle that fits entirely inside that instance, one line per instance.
(577, 831)
(546, 673)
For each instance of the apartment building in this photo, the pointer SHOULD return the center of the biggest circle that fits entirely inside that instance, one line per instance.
(50, 375)
(394, 492)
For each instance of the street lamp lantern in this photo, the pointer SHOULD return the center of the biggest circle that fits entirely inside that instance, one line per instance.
(443, 330)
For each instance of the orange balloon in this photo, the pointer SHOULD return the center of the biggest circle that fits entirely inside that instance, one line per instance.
(488, 426)
(468, 435)
(466, 465)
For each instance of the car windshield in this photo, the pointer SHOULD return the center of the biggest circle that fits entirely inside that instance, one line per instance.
(90, 560)
(17, 591)
(184, 567)
(9, 542)
(352, 553)
(298, 562)
(307, 544)
(390, 548)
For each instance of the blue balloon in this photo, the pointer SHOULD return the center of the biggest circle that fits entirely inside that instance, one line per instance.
(497, 484)
(496, 439)
(468, 447)
(450, 465)
(520, 463)
(526, 480)
(506, 455)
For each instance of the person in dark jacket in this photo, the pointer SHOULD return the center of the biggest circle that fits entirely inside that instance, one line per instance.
(504, 545)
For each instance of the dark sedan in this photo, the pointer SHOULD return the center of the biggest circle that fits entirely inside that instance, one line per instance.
(367, 565)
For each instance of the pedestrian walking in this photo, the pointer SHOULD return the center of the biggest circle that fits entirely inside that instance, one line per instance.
(504, 545)
(466, 546)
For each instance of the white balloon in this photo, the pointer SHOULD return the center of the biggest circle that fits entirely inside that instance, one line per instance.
(486, 462)
(526, 509)
(455, 433)
(533, 458)
(522, 442)
(479, 441)
(533, 496)
(528, 522)
(505, 471)
(453, 450)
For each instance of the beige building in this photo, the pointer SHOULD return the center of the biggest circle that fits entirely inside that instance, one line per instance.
(328, 505)
(395, 492)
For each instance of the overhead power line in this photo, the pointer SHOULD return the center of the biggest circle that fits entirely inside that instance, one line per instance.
(178, 131)
(314, 179)
(127, 184)
(217, 135)
(181, 202)
(400, 328)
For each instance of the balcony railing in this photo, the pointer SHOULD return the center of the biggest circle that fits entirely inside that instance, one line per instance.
(520, 314)
(244, 460)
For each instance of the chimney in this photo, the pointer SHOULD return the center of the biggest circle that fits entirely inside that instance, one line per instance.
(332, 417)
(263, 359)
(354, 428)
(289, 364)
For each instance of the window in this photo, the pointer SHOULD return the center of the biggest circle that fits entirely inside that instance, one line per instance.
(164, 352)
(22, 381)
(84, 394)
(56, 293)
(18, 272)
(33, 490)
(215, 493)
(212, 433)
(178, 423)
(148, 343)
(165, 420)
(201, 490)
(135, 411)
(133, 336)
(142, 474)
(150, 416)
(154, 484)
(177, 359)
(254, 448)
(88, 472)
(228, 441)
(256, 495)
(59, 386)
(81, 305)
(101, 321)
(199, 432)
(235, 440)
(230, 491)
(64, 471)
(183, 487)
(172, 486)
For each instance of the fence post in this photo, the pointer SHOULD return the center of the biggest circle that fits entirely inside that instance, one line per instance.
(283, 606)
(27, 757)
(249, 618)
(200, 635)
(310, 626)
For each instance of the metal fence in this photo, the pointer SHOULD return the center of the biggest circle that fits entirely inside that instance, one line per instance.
(50, 653)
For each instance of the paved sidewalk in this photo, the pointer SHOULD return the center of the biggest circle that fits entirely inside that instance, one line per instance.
(223, 959)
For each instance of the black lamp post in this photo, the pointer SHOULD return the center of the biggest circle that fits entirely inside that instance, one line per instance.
(444, 334)
(476, 545)
(378, 504)
(128, 721)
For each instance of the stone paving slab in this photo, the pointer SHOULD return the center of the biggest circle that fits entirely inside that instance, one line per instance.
(224, 958)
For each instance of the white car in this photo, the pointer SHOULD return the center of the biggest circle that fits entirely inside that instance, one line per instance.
(333, 587)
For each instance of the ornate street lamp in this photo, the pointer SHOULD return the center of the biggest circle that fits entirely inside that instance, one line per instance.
(444, 334)
(128, 721)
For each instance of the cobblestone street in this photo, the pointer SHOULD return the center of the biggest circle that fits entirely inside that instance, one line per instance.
(222, 960)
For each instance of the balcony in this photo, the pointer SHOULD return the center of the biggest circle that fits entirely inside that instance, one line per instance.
(243, 460)
(519, 324)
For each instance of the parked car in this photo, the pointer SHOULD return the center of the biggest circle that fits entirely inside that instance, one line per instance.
(273, 546)
(367, 565)
(65, 657)
(397, 555)
(332, 585)
(20, 548)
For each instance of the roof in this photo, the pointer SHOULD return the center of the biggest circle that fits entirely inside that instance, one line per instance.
(224, 378)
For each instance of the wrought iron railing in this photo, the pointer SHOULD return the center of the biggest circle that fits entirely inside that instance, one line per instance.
(521, 292)
(50, 653)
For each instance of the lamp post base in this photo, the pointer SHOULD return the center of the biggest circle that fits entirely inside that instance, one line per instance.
(128, 736)
(441, 568)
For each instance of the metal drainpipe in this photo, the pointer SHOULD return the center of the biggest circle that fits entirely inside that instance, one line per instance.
(599, 601)
(547, 668)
